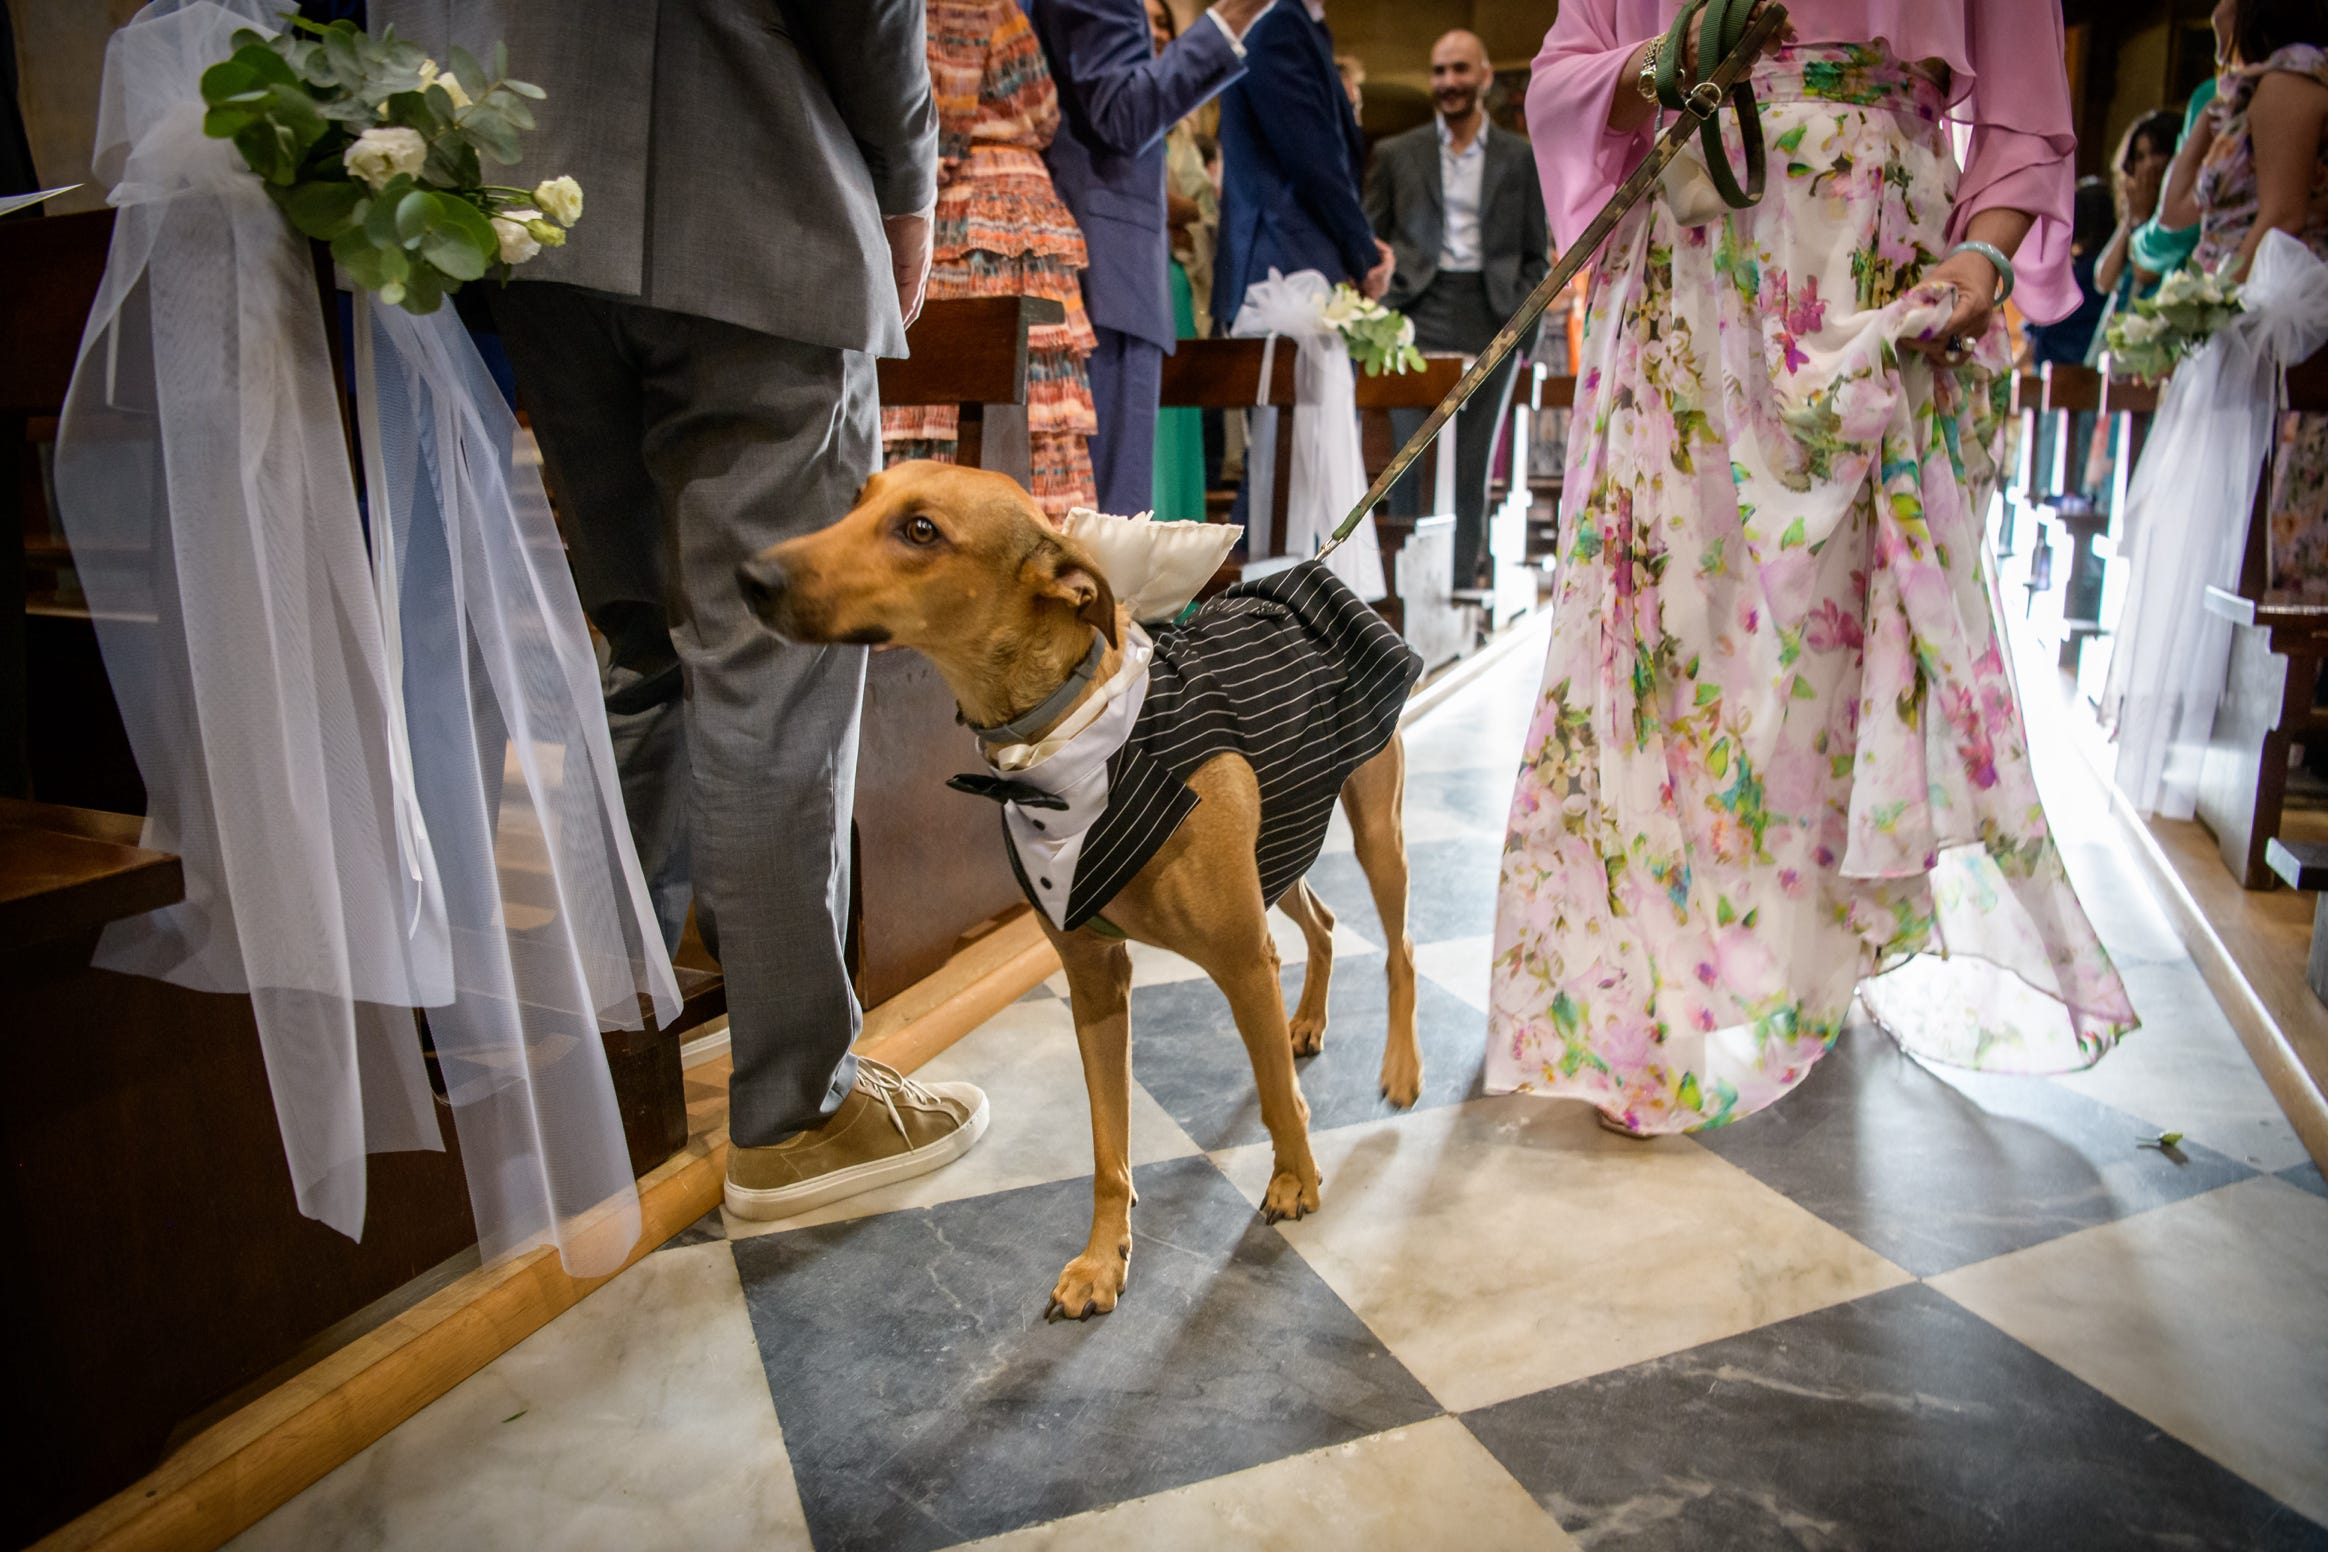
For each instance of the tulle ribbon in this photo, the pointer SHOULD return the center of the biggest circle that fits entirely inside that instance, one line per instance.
(388, 774)
(2187, 512)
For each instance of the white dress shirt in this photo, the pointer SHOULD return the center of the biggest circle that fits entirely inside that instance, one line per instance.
(1462, 182)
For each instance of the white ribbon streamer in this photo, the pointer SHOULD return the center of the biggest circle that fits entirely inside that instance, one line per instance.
(1329, 465)
(2187, 512)
(375, 814)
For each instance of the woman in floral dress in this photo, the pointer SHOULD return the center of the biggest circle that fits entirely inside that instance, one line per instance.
(1002, 231)
(2255, 161)
(1778, 758)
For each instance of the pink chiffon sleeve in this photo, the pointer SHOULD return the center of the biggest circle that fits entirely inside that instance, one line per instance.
(1575, 81)
(2023, 145)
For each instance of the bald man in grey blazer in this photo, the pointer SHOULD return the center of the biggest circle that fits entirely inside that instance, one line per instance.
(697, 362)
(1458, 202)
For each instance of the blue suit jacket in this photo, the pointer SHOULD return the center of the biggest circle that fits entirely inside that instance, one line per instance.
(1118, 98)
(1292, 159)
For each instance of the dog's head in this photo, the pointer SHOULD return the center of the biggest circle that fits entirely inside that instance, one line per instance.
(956, 563)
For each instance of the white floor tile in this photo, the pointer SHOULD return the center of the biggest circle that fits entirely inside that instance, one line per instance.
(1152, 966)
(638, 1419)
(1509, 1245)
(1459, 965)
(2208, 1317)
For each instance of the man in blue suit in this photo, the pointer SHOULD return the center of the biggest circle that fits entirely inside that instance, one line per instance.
(1118, 98)
(1293, 160)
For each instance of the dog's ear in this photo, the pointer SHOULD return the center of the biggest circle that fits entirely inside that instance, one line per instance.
(1074, 577)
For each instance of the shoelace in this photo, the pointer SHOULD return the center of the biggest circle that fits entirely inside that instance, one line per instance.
(889, 1085)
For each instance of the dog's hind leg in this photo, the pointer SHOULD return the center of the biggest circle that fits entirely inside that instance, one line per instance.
(1374, 798)
(1302, 906)
(1099, 989)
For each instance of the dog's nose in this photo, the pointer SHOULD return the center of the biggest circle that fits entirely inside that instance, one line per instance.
(763, 580)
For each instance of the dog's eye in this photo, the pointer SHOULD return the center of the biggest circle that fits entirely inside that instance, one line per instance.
(920, 530)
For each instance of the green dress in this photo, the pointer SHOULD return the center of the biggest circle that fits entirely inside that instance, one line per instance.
(1180, 432)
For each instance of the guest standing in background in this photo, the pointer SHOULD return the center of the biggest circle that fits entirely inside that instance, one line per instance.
(1001, 230)
(2138, 177)
(1192, 210)
(1458, 201)
(2255, 161)
(700, 375)
(1353, 72)
(2068, 341)
(1778, 760)
(2156, 247)
(1294, 159)
(1118, 97)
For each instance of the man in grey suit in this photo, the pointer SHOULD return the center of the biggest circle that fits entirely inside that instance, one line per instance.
(1458, 202)
(698, 365)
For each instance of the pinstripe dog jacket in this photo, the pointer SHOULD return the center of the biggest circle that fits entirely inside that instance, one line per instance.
(1292, 671)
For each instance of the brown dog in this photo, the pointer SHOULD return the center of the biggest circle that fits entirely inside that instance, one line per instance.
(961, 566)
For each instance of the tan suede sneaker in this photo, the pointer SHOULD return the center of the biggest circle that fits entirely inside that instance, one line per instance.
(890, 1128)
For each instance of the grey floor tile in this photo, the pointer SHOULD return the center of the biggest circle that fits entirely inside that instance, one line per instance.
(1934, 1173)
(1900, 1420)
(1186, 1052)
(927, 1401)
(2306, 1177)
(1450, 890)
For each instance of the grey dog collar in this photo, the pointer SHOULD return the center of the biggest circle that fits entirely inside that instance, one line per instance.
(1022, 728)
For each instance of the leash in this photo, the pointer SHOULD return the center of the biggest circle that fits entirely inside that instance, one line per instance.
(1725, 30)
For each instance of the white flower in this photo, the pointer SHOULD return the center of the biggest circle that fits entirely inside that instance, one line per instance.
(2143, 329)
(2182, 286)
(429, 77)
(380, 155)
(518, 242)
(560, 199)
(1406, 332)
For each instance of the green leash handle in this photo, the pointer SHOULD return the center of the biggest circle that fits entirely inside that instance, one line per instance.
(1723, 28)
(1699, 105)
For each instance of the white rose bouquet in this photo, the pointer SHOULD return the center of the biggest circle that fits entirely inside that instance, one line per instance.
(1379, 339)
(2161, 329)
(370, 147)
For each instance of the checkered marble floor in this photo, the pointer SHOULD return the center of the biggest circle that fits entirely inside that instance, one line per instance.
(1904, 1308)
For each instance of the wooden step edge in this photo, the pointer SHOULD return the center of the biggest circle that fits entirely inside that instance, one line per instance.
(2291, 1083)
(241, 1469)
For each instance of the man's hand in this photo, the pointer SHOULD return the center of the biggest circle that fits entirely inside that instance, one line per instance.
(1240, 14)
(909, 260)
(1377, 280)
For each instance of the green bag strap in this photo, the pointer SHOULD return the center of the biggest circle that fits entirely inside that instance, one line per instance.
(1723, 24)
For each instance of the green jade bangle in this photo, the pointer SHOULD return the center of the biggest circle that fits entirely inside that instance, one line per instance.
(1996, 256)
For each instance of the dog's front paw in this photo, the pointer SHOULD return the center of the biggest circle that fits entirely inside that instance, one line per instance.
(1089, 1286)
(1309, 1033)
(1289, 1197)
(1402, 1076)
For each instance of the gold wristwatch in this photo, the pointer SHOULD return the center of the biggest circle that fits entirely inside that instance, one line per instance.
(1646, 81)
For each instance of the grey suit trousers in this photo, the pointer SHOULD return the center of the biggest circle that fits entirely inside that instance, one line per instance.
(677, 446)
(1452, 313)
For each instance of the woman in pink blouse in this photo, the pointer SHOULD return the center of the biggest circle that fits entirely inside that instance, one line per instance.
(1778, 759)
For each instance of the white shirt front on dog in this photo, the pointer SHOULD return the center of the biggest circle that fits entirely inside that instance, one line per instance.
(1071, 765)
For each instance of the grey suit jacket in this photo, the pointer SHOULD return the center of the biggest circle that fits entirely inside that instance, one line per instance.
(736, 156)
(1408, 206)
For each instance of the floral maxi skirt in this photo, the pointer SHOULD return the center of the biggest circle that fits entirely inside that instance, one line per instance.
(1778, 757)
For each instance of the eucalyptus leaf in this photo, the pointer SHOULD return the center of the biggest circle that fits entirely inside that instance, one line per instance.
(500, 59)
(467, 71)
(324, 210)
(516, 112)
(380, 220)
(526, 89)
(459, 221)
(339, 46)
(424, 289)
(415, 216)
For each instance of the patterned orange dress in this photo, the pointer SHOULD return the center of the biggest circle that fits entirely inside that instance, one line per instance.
(1002, 231)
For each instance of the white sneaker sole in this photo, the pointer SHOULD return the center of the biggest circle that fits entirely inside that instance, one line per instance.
(769, 1203)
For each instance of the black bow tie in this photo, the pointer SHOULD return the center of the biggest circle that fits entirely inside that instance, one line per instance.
(1003, 790)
